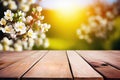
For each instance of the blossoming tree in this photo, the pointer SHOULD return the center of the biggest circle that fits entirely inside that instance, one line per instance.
(21, 25)
(99, 23)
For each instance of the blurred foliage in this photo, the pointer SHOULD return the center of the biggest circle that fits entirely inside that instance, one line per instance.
(114, 41)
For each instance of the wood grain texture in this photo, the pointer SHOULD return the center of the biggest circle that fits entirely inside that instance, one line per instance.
(8, 58)
(60, 65)
(17, 69)
(81, 69)
(99, 63)
(53, 66)
(111, 57)
(109, 72)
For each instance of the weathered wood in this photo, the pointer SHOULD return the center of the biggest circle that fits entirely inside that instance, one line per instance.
(53, 66)
(109, 72)
(8, 58)
(99, 63)
(19, 68)
(81, 69)
(111, 57)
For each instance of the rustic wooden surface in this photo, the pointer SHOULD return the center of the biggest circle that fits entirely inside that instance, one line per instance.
(81, 69)
(8, 58)
(53, 65)
(100, 61)
(60, 65)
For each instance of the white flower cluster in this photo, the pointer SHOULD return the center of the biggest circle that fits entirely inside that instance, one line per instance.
(99, 25)
(11, 4)
(23, 5)
(24, 31)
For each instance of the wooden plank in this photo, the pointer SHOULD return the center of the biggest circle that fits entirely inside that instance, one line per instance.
(53, 66)
(8, 58)
(109, 72)
(17, 69)
(111, 57)
(81, 69)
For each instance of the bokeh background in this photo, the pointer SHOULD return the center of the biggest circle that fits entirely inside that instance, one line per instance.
(66, 16)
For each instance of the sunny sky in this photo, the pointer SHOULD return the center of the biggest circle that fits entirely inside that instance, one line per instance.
(55, 4)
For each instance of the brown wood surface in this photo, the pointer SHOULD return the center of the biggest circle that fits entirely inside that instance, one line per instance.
(111, 57)
(8, 58)
(78, 65)
(81, 69)
(19, 68)
(53, 66)
(98, 60)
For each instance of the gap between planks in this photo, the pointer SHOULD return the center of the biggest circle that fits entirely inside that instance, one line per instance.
(81, 69)
(72, 63)
(18, 69)
(98, 62)
(53, 66)
(8, 58)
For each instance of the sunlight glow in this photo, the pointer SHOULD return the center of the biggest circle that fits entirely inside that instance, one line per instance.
(66, 8)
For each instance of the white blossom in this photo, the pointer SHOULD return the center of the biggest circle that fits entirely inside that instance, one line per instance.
(31, 2)
(46, 43)
(6, 48)
(5, 3)
(8, 29)
(20, 27)
(22, 16)
(19, 42)
(98, 18)
(39, 42)
(12, 5)
(42, 18)
(39, 9)
(24, 7)
(13, 35)
(8, 15)
(110, 25)
(18, 47)
(31, 34)
(43, 36)
(109, 15)
(103, 22)
(29, 19)
(6, 41)
(38, 22)
(11, 49)
(30, 43)
(93, 24)
(3, 21)
(45, 27)
(20, 13)
(78, 31)
(25, 44)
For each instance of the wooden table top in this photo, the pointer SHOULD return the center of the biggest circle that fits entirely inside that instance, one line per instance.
(60, 65)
